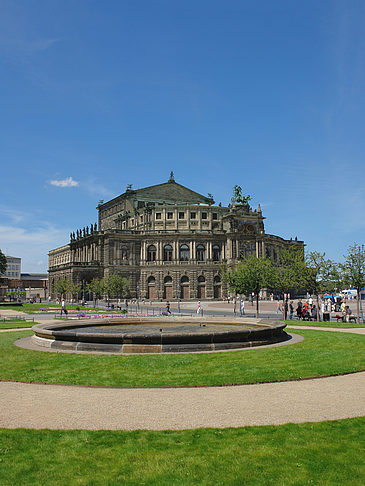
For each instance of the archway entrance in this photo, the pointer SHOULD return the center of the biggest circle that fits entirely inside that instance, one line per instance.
(185, 287)
(217, 287)
(151, 288)
(201, 287)
(167, 294)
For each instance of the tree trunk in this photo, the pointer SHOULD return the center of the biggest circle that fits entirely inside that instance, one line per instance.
(318, 317)
(257, 306)
(358, 305)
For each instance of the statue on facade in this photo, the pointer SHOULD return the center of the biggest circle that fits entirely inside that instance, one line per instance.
(238, 199)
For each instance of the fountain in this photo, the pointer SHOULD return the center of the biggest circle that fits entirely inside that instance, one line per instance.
(158, 334)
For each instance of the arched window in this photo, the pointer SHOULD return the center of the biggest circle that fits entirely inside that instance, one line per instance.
(184, 279)
(184, 253)
(151, 253)
(201, 279)
(216, 253)
(151, 280)
(200, 253)
(167, 253)
(167, 280)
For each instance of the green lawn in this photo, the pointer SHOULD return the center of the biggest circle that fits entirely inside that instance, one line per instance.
(31, 308)
(321, 353)
(15, 324)
(322, 454)
(343, 325)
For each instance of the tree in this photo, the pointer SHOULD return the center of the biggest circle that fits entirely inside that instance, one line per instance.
(62, 286)
(353, 272)
(74, 289)
(97, 288)
(3, 263)
(289, 271)
(319, 273)
(116, 286)
(249, 276)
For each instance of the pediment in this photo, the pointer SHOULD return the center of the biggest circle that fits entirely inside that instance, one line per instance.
(171, 192)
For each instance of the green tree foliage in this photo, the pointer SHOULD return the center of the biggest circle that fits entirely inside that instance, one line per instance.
(319, 274)
(353, 271)
(249, 276)
(3, 263)
(289, 271)
(62, 286)
(97, 288)
(116, 286)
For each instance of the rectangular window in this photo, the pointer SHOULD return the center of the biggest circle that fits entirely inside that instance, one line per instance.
(141, 219)
(192, 215)
(158, 215)
(170, 215)
(215, 216)
(204, 215)
(181, 215)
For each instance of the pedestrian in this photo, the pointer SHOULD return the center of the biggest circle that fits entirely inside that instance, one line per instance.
(242, 307)
(291, 310)
(168, 307)
(199, 309)
(299, 309)
(278, 307)
(286, 310)
(63, 307)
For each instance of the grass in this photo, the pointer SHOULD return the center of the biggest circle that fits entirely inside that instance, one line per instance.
(321, 353)
(15, 324)
(343, 325)
(31, 308)
(327, 453)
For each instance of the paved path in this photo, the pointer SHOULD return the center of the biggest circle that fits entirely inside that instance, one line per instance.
(75, 407)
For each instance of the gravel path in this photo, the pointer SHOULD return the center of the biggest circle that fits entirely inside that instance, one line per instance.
(75, 407)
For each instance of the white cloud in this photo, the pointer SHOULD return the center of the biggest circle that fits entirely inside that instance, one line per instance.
(68, 182)
(32, 245)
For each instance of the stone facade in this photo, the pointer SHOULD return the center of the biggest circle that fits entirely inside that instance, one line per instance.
(168, 240)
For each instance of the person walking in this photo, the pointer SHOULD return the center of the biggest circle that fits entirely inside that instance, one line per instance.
(291, 310)
(168, 307)
(242, 307)
(278, 307)
(199, 309)
(63, 307)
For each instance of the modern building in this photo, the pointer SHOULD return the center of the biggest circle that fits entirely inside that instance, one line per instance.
(13, 269)
(170, 241)
(35, 285)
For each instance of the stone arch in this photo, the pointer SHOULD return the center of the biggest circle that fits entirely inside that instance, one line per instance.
(185, 287)
(151, 287)
(167, 287)
(201, 287)
(217, 287)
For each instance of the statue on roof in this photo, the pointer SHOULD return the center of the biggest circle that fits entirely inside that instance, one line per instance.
(172, 178)
(238, 199)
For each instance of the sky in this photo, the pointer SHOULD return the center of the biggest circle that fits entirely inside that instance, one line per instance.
(95, 95)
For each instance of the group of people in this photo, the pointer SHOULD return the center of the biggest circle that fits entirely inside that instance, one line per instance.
(306, 310)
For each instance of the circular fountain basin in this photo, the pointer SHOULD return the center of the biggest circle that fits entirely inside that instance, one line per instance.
(159, 335)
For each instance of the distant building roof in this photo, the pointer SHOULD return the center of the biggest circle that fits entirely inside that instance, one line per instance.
(34, 276)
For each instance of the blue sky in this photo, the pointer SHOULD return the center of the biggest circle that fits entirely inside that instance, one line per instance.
(265, 94)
